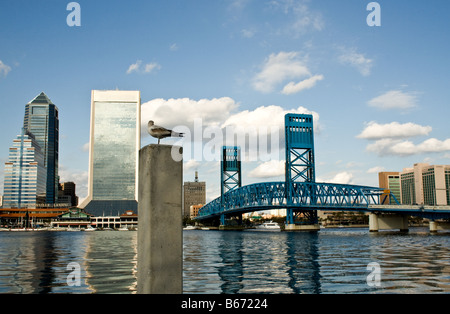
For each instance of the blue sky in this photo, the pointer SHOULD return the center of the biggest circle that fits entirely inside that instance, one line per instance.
(380, 95)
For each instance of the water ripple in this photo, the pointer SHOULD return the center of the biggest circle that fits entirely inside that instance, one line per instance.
(330, 261)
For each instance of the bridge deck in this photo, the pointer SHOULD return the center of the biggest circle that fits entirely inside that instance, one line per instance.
(313, 196)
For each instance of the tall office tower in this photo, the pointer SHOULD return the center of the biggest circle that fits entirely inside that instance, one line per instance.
(41, 119)
(194, 194)
(113, 152)
(25, 173)
(390, 181)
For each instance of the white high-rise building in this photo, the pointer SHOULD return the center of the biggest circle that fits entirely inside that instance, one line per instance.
(113, 152)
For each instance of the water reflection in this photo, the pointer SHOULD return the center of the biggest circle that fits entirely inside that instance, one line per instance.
(303, 262)
(111, 259)
(250, 262)
(231, 271)
(330, 261)
(36, 262)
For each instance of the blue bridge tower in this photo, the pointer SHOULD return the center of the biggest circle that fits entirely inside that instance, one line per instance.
(300, 165)
(230, 173)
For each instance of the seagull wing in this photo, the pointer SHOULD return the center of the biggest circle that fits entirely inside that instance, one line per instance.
(159, 132)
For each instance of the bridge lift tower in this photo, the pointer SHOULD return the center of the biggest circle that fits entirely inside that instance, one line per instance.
(300, 163)
(230, 172)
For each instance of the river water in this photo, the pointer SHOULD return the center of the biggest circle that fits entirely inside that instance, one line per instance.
(325, 262)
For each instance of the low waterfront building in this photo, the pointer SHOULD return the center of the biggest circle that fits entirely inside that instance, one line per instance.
(74, 218)
(193, 212)
(343, 218)
(29, 217)
(106, 222)
(127, 220)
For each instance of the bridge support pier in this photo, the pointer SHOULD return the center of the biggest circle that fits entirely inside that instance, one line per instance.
(387, 221)
(435, 226)
(294, 227)
(160, 237)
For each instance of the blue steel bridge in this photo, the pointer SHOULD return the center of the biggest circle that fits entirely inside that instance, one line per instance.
(300, 194)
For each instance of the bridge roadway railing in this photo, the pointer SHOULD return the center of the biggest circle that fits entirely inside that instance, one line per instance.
(424, 211)
(305, 195)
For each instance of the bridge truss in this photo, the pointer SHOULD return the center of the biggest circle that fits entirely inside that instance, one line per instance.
(307, 197)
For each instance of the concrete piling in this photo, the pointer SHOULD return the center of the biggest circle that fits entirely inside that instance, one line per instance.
(388, 222)
(160, 237)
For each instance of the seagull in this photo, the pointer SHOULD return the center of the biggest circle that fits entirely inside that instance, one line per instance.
(159, 132)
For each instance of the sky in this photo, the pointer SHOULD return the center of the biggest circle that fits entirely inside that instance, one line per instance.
(379, 94)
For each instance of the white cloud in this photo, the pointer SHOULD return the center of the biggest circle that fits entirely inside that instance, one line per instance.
(238, 4)
(269, 169)
(173, 47)
(4, 69)
(343, 177)
(221, 112)
(85, 147)
(183, 111)
(375, 131)
(357, 60)
(394, 147)
(292, 87)
(147, 68)
(263, 130)
(299, 17)
(248, 33)
(277, 68)
(305, 19)
(390, 139)
(134, 67)
(376, 169)
(190, 164)
(80, 178)
(216, 122)
(394, 99)
(270, 116)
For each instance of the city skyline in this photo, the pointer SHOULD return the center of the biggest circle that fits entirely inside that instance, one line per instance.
(378, 94)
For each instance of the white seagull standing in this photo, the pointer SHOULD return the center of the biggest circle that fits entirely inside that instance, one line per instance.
(159, 132)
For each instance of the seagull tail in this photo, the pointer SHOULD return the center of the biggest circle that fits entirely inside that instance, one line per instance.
(175, 134)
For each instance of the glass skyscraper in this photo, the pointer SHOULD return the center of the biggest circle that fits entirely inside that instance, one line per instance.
(41, 119)
(25, 173)
(113, 152)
